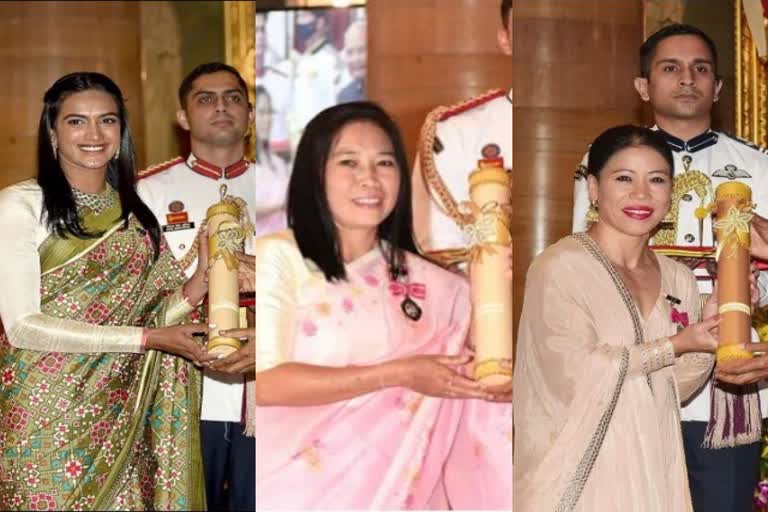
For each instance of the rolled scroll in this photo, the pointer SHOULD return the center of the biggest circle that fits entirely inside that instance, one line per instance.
(733, 204)
(225, 237)
(489, 190)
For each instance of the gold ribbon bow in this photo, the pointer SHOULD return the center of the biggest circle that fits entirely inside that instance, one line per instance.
(227, 240)
(733, 230)
(485, 226)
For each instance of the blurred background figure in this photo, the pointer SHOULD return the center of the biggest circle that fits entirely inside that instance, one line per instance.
(355, 57)
(270, 168)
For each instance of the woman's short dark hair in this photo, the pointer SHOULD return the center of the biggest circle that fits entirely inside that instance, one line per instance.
(613, 140)
(59, 210)
(309, 214)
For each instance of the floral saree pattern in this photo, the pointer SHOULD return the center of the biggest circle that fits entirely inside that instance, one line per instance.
(101, 431)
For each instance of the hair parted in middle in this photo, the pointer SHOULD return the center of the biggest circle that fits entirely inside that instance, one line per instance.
(309, 214)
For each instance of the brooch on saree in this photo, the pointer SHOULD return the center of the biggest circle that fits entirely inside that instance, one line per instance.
(402, 287)
(677, 318)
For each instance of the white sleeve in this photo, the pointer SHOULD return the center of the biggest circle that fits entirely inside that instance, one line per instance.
(24, 324)
(580, 197)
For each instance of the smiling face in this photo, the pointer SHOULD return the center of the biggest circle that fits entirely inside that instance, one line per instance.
(362, 178)
(681, 84)
(217, 111)
(86, 131)
(634, 190)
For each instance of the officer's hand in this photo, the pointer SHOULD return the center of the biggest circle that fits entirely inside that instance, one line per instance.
(246, 272)
(744, 371)
(501, 392)
(202, 253)
(242, 360)
(759, 245)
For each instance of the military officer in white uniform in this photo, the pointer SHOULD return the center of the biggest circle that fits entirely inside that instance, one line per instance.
(477, 129)
(316, 71)
(679, 79)
(216, 112)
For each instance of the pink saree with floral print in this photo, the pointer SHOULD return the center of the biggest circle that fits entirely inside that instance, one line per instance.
(391, 449)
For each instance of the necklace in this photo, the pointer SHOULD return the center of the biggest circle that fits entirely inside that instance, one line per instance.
(97, 203)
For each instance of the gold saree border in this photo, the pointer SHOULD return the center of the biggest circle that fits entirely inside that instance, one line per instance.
(573, 490)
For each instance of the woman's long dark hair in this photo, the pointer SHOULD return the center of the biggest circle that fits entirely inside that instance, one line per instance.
(59, 210)
(309, 214)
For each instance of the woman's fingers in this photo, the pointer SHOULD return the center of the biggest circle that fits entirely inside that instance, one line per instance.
(454, 360)
(710, 323)
(239, 333)
(756, 347)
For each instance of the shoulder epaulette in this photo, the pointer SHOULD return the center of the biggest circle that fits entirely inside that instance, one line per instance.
(747, 143)
(472, 103)
(154, 169)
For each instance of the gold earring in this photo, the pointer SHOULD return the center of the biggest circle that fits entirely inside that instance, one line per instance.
(592, 215)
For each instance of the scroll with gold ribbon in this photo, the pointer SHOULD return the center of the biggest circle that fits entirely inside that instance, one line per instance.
(225, 238)
(488, 228)
(733, 204)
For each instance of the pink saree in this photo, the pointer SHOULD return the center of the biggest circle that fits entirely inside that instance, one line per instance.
(392, 449)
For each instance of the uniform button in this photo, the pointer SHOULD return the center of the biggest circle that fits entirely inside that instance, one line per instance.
(689, 238)
(182, 246)
(687, 197)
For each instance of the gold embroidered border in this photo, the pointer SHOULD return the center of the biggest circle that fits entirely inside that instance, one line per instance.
(751, 77)
(437, 188)
(571, 496)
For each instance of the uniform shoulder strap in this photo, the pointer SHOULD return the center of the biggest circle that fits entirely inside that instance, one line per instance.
(747, 143)
(428, 144)
(154, 169)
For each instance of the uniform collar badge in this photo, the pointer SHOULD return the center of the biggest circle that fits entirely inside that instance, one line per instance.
(697, 143)
(215, 172)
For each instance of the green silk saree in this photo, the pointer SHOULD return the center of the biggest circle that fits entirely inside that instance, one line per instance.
(101, 431)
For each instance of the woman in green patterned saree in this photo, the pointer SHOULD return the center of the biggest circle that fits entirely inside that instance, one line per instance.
(99, 402)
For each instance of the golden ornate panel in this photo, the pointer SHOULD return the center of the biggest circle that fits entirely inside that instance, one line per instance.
(751, 90)
(240, 42)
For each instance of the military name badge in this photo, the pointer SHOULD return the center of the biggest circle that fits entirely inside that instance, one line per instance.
(177, 219)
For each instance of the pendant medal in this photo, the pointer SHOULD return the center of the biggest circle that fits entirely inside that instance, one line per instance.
(411, 309)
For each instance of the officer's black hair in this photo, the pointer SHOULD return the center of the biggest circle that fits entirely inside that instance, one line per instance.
(207, 69)
(615, 139)
(309, 214)
(648, 48)
(506, 12)
(59, 210)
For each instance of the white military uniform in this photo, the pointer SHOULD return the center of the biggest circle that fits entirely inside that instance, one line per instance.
(179, 192)
(723, 158)
(480, 129)
(315, 82)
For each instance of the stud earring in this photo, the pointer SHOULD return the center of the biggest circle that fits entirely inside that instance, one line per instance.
(117, 154)
(55, 148)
